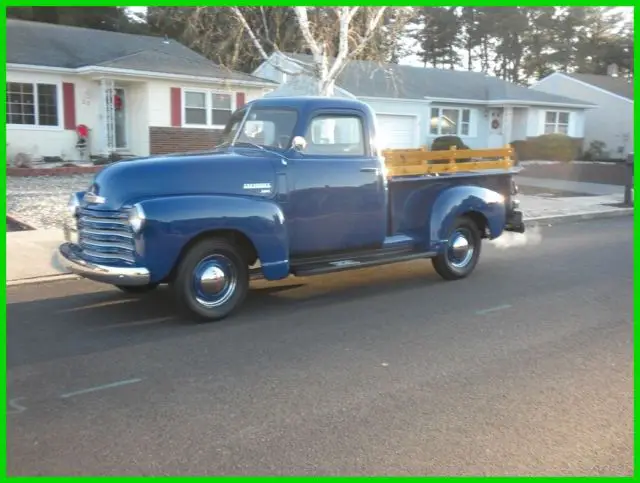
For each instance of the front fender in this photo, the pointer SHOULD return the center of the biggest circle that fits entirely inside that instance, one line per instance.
(459, 200)
(173, 221)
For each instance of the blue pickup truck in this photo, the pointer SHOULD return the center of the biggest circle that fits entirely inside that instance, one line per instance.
(298, 186)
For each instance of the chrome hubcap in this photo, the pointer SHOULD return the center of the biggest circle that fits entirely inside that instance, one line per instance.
(214, 281)
(461, 249)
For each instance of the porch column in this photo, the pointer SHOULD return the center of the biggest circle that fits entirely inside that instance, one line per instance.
(107, 91)
(507, 123)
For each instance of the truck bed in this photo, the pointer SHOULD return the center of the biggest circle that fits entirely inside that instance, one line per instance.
(417, 176)
(411, 163)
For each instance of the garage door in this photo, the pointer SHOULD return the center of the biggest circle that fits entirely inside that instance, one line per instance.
(397, 131)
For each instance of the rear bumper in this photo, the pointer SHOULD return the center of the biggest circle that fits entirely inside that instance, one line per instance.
(69, 258)
(515, 222)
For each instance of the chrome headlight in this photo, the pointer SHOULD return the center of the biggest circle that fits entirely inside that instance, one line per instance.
(136, 218)
(73, 205)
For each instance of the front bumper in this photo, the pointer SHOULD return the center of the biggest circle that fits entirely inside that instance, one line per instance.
(515, 222)
(69, 258)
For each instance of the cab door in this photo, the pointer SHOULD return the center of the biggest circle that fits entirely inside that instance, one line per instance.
(337, 191)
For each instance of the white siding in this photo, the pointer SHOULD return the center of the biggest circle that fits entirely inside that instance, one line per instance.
(159, 92)
(520, 123)
(479, 127)
(535, 126)
(47, 141)
(610, 122)
(148, 103)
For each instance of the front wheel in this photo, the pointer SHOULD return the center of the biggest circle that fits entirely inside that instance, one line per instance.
(212, 280)
(462, 252)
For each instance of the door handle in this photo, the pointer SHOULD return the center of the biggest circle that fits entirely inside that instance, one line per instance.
(369, 170)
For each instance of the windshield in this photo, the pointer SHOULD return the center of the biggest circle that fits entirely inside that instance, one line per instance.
(267, 127)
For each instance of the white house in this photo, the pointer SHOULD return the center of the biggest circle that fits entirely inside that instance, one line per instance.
(138, 95)
(415, 105)
(611, 122)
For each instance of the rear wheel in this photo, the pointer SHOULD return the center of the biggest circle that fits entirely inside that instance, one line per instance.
(462, 252)
(212, 279)
(138, 289)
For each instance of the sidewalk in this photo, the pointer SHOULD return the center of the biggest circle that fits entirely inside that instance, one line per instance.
(30, 254)
(599, 189)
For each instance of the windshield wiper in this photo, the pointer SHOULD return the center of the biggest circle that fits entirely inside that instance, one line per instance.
(253, 145)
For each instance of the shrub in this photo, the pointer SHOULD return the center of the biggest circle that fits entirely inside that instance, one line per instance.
(23, 160)
(548, 147)
(596, 151)
(444, 143)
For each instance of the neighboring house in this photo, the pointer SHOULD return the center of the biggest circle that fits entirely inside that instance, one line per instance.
(137, 94)
(611, 122)
(415, 105)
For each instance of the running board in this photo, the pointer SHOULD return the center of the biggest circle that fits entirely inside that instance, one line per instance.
(340, 265)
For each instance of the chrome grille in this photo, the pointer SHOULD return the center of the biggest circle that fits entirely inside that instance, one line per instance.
(105, 236)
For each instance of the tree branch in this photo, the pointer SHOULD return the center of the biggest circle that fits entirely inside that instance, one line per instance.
(256, 42)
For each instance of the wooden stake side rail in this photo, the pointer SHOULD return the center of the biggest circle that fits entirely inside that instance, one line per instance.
(416, 162)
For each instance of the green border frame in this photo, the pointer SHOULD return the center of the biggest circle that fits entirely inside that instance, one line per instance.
(3, 178)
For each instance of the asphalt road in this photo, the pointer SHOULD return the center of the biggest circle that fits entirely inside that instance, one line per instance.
(525, 368)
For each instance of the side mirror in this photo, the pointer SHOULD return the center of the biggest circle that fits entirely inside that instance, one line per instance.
(298, 143)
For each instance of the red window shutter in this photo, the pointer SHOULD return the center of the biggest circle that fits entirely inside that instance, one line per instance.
(69, 105)
(176, 107)
(239, 100)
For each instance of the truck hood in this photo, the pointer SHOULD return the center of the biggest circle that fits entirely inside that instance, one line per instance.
(247, 173)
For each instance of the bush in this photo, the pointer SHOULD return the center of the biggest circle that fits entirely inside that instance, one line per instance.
(444, 143)
(548, 147)
(596, 151)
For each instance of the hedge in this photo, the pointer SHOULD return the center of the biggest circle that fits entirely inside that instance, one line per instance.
(548, 147)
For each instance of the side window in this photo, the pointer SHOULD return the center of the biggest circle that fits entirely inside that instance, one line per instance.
(336, 135)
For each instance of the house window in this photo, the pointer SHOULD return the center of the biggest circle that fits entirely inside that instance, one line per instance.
(32, 104)
(556, 122)
(336, 135)
(450, 122)
(207, 108)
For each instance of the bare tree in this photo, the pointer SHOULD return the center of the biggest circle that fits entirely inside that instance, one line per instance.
(320, 29)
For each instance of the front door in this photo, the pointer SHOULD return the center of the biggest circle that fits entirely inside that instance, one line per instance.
(120, 118)
(496, 136)
(337, 190)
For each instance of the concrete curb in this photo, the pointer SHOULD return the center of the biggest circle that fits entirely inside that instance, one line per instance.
(587, 215)
(18, 221)
(48, 278)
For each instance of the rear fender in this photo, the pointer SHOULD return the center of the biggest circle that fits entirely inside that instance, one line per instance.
(460, 200)
(171, 222)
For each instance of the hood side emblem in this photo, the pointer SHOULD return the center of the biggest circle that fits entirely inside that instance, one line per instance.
(264, 188)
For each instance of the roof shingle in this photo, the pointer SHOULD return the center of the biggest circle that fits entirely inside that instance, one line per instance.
(615, 85)
(37, 43)
(372, 79)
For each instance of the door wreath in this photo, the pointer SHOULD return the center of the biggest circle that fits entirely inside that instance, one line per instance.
(495, 124)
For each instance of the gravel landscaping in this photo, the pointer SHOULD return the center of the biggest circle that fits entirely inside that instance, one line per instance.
(41, 201)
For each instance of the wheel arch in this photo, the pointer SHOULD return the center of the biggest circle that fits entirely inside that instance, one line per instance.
(484, 206)
(232, 235)
(176, 223)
